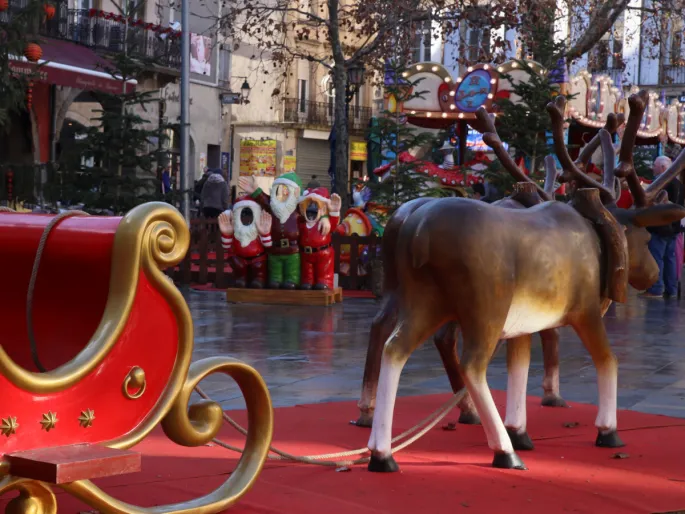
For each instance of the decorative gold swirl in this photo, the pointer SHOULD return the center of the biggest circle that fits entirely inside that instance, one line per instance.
(34, 497)
(197, 427)
(132, 243)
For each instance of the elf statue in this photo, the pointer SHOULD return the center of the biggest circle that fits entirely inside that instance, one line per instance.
(320, 216)
(284, 255)
(251, 227)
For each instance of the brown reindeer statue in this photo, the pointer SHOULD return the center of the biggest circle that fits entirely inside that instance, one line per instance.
(507, 273)
(527, 194)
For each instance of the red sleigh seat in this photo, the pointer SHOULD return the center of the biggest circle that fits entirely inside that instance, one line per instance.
(116, 338)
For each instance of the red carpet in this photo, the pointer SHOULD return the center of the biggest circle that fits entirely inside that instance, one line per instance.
(445, 472)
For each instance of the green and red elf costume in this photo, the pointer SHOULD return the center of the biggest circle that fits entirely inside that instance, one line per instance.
(284, 254)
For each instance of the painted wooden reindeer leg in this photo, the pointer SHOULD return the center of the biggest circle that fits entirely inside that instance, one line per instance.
(550, 382)
(478, 349)
(381, 328)
(446, 342)
(407, 336)
(590, 329)
(518, 363)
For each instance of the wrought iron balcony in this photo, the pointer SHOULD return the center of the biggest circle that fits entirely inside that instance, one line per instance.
(673, 74)
(321, 115)
(109, 33)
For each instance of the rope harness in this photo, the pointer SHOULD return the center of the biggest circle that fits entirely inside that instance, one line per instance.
(411, 435)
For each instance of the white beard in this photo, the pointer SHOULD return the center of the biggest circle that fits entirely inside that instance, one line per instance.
(283, 210)
(245, 234)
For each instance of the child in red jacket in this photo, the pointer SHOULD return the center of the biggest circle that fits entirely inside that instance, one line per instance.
(319, 218)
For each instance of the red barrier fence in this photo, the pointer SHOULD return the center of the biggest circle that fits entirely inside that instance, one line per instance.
(206, 263)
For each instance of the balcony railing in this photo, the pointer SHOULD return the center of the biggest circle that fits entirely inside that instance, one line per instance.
(321, 114)
(673, 74)
(107, 34)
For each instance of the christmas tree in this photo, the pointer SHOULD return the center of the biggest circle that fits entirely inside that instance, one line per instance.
(18, 30)
(396, 138)
(525, 124)
(114, 166)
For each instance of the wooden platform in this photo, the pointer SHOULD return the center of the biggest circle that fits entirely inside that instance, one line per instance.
(64, 464)
(284, 297)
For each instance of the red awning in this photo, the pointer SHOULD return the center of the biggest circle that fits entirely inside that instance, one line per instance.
(71, 65)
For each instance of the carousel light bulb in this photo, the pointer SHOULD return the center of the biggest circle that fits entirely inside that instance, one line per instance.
(500, 69)
(405, 74)
(492, 81)
(413, 112)
(451, 93)
(434, 68)
(419, 67)
(491, 96)
(459, 79)
(461, 115)
(453, 106)
(514, 64)
(469, 69)
(486, 67)
(448, 79)
(444, 115)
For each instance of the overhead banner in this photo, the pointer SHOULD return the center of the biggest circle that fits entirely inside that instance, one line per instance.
(258, 157)
(358, 150)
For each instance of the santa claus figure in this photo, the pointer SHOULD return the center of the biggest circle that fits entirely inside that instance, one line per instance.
(246, 232)
(284, 255)
(319, 218)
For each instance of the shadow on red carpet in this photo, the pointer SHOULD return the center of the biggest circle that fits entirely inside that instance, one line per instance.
(444, 472)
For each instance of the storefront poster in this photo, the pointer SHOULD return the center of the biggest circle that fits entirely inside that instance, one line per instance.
(258, 157)
(358, 150)
(289, 164)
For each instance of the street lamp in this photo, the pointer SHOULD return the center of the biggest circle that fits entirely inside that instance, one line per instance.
(244, 92)
(355, 78)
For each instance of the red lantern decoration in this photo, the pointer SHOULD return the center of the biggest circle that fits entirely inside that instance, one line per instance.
(49, 11)
(33, 52)
(4, 4)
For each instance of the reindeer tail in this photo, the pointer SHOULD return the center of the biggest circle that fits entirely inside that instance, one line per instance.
(420, 246)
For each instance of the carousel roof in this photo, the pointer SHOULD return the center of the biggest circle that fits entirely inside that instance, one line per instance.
(468, 174)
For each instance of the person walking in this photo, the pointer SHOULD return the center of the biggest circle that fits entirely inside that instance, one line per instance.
(215, 196)
(313, 183)
(662, 244)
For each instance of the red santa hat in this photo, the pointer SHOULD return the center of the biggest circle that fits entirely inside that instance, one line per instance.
(246, 201)
(319, 193)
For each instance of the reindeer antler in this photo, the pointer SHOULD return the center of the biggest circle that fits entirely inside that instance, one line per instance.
(609, 155)
(556, 113)
(491, 138)
(626, 166)
(611, 126)
(551, 174)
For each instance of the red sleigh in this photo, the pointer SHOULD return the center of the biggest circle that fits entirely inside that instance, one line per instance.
(116, 337)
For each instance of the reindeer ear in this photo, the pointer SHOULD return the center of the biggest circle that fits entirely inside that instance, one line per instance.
(658, 215)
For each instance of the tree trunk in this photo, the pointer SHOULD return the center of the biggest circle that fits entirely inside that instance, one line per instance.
(341, 137)
(342, 144)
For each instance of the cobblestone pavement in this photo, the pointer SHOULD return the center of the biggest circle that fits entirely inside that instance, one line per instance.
(316, 354)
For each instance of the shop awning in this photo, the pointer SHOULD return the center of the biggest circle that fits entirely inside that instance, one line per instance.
(71, 65)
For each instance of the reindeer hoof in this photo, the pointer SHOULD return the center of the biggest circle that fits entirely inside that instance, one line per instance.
(383, 465)
(365, 420)
(508, 461)
(553, 400)
(609, 440)
(469, 418)
(520, 441)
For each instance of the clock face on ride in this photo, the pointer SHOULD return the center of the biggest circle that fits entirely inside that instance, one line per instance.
(473, 91)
